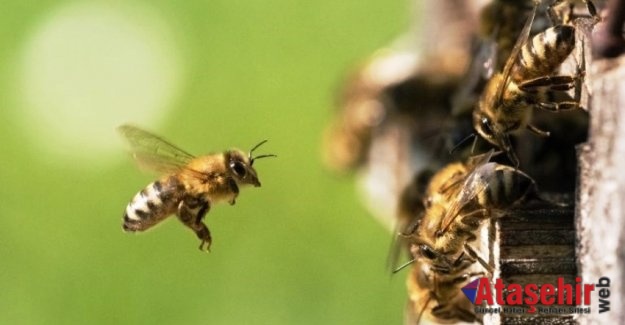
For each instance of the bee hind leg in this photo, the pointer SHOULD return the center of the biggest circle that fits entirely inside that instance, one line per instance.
(534, 129)
(559, 106)
(550, 91)
(191, 211)
(234, 188)
(556, 83)
(452, 311)
(480, 260)
(558, 16)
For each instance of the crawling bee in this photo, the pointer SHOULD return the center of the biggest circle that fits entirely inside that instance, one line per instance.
(191, 184)
(437, 298)
(458, 199)
(527, 80)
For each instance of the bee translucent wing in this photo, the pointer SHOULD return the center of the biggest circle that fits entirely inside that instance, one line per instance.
(515, 53)
(476, 181)
(480, 160)
(487, 55)
(152, 152)
(481, 68)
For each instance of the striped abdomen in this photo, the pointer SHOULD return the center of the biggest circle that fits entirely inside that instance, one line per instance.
(154, 203)
(505, 188)
(542, 54)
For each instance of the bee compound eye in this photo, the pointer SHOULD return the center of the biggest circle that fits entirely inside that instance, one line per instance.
(427, 252)
(486, 126)
(428, 202)
(238, 168)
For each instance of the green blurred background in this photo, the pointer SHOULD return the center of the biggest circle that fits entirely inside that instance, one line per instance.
(208, 75)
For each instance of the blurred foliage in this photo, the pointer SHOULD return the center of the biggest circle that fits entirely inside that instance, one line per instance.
(299, 250)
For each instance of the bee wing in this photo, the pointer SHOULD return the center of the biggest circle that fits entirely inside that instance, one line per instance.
(481, 68)
(515, 53)
(153, 152)
(475, 182)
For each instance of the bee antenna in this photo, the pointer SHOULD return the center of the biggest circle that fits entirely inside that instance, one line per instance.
(470, 136)
(261, 156)
(403, 266)
(473, 145)
(258, 157)
(256, 147)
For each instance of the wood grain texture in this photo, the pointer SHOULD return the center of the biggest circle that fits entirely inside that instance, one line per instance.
(600, 216)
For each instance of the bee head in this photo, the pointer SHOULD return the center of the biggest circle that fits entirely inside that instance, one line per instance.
(485, 127)
(437, 261)
(491, 132)
(240, 165)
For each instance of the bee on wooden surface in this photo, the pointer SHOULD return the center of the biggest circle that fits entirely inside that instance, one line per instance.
(459, 197)
(528, 80)
(444, 244)
(501, 21)
(191, 184)
(437, 298)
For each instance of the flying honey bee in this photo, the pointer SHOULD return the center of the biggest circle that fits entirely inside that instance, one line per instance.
(191, 184)
(528, 80)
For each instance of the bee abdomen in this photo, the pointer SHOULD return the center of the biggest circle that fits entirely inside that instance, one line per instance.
(544, 53)
(149, 206)
(507, 188)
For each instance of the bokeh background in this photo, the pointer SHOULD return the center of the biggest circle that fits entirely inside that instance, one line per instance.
(207, 75)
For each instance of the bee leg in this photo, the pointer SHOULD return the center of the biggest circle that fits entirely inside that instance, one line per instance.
(474, 254)
(568, 17)
(235, 189)
(507, 148)
(580, 73)
(558, 17)
(463, 261)
(191, 211)
(534, 129)
(546, 88)
(422, 311)
(592, 10)
(560, 106)
(559, 83)
(451, 311)
(465, 277)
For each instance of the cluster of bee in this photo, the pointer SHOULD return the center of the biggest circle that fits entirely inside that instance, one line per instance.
(446, 205)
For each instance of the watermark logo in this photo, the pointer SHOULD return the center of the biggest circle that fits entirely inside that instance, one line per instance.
(470, 290)
(547, 298)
